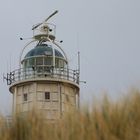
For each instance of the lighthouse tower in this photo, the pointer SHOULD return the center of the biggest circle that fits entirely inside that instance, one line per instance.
(44, 82)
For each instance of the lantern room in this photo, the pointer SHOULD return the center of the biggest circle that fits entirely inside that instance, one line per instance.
(44, 56)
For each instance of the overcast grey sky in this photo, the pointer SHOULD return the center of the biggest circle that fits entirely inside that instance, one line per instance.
(107, 33)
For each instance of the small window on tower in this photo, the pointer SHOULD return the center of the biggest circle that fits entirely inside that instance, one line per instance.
(25, 97)
(47, 95)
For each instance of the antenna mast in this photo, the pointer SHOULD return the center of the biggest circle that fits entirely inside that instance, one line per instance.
(79, 62)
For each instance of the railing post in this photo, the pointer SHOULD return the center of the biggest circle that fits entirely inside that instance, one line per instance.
(18, 74)
(77, 76)
(67, 74)
(52, 71)
(74, 75)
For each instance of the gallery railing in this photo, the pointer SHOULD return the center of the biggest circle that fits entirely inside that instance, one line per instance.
(42, 72)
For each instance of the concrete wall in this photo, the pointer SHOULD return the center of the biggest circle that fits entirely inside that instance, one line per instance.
(62, 98)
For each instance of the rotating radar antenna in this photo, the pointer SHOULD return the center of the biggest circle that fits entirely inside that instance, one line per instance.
(44, 30)
(45, 21)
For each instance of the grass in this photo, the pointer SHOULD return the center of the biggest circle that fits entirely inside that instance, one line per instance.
(108, 121)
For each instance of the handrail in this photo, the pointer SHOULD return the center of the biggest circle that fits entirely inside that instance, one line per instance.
(43, 72)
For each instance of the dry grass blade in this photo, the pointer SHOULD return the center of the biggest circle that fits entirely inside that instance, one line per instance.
(110, 121)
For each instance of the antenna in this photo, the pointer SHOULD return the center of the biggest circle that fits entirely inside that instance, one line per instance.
(79, 69)
(51, 15)
(36, 26)
(79, 62)
(10, 61)
(25, 38)
(9, 78)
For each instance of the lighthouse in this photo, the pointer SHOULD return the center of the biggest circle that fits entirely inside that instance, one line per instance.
(44, 81)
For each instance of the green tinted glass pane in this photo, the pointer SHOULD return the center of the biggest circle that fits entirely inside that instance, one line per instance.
(27, 63)
(31, 61)
(39, 61)
(48, 61)
(56, 62)
(61, 63)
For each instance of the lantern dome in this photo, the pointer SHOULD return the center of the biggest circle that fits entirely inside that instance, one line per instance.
(45, 50)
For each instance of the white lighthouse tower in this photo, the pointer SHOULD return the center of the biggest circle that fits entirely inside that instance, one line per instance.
(44, 82)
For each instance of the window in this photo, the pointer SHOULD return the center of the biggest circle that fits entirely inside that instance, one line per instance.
(56, 62)
(25, 64)
(61, 63)
(31, 61)
(48, 61)
(25, 97)
(47, 95)
(67, 98)
(39, 61)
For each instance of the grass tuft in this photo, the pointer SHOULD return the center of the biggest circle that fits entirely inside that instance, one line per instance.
(107, 121)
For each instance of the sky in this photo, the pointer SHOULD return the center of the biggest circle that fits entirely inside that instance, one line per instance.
(106, 32)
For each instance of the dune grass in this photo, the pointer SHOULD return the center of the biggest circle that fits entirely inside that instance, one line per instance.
(108, 121)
